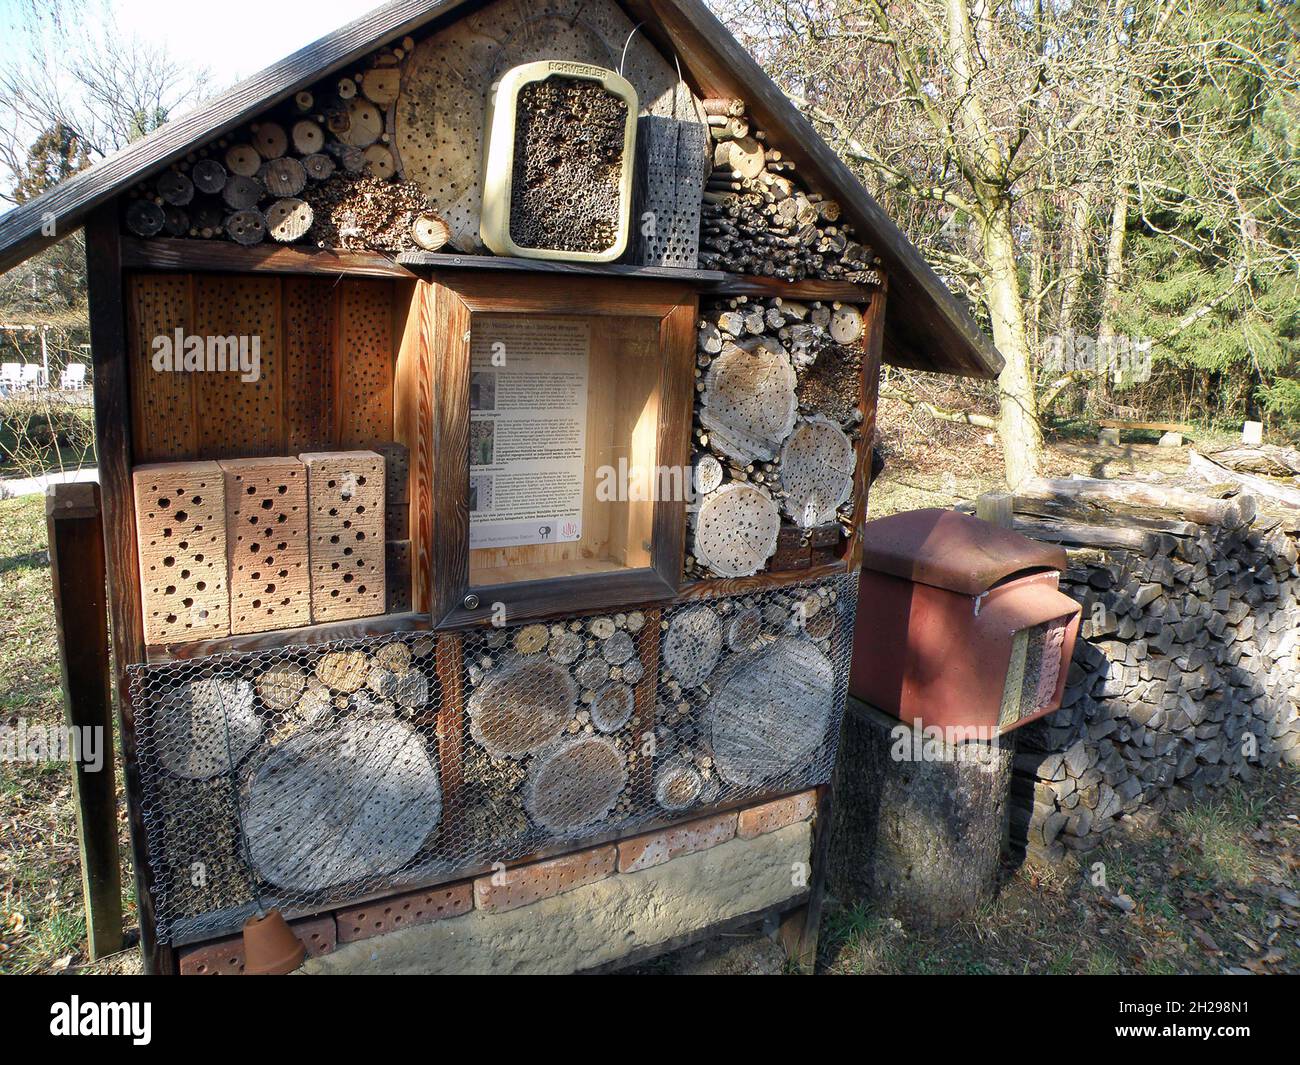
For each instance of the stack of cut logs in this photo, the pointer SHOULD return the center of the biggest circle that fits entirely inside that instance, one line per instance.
(321, 167)
(1185, 672)
(758, 219)
(777, 421)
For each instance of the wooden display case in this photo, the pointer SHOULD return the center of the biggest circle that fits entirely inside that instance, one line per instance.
(626, 348)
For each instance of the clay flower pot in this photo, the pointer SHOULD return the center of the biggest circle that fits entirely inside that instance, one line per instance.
(270, 947)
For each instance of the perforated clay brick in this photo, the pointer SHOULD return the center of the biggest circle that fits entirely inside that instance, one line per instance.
(401, 911)
(181, 531)
(345, 496)
(540, 880)
(266, 533)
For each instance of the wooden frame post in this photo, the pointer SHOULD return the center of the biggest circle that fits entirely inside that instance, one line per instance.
(109, 358)
(76, 540)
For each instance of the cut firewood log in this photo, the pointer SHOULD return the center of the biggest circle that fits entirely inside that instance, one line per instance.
(288, 220)
(692, 645)
(270, 140)
(1141, 498)
(319, 166)
(308, 137)
(1212, 471)
(381, 85)
(1266, 460)
(351, 802)
(380, 162)
(201, 724)
(145, 218)
(575, 785)
(175, 188)
(246, 227)
(242, 193)
(748, 405)
(816, 471)
(209, 176)
(521, 706)
(770, 711)
(243, 159)
(736, 530)
(430, 232)
(284, 176)
(612, 708)
(677, 786)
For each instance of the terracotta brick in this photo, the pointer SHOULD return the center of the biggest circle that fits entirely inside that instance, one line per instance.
(540, 880)
(653, 849)
(225, 957)
(400, 911)
(776, 814)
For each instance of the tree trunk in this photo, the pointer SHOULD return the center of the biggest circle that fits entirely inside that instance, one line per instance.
(1112, 279)
(1018, 425)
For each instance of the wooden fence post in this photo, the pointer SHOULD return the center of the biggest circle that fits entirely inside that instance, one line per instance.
(996, 508)
(81, 611)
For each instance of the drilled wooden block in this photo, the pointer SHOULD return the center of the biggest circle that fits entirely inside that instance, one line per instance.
(645, 852)
(345, 499)
(400, 911)
(225, 957)
(540, 880)
(777, 814)
(397, 575)
(180, 516)
(397, 497)
(266, 534)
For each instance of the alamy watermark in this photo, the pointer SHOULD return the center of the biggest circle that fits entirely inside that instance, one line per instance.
(1126, 359)
(177, 352)
(26, 742)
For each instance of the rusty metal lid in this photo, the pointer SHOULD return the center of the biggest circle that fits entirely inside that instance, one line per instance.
(953, 551)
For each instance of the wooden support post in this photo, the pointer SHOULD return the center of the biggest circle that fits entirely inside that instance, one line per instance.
(108, 352)
(81, 610)
(801, 927)
(995, 508)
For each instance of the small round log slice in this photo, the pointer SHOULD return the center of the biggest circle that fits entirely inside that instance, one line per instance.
(744, 629)
(521, 706)
(203, 723)
(394, 657)
(816, 472)
(175, 188)
(308, 137)
(748, 405)
(270, 140)
(531, 639)
(344, 671)
(846, 325)
(736, 530)
(429, 231)
(381, 84)
(243, 160)
(708, 475)
(612, 708)
(677, 786)
(280, 686)
(289, 219)
(285, 176)
(593, 673)
(411, 690)
(565, 647)
(242, 192)
(770, 712)
(692, 645)
(575, 784)
(319, 166)
(618, 648)
(208, 176)
(365, 124)
(380, 162)
(145, 218)
(246, 227)
(349, 803)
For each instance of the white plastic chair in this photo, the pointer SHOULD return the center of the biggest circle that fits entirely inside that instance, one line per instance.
(73, 377)
(11, 374)
(31, 376)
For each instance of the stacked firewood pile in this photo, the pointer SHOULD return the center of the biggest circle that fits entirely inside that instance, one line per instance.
(320, 169)
(777, 425)
(758, 218)
(1185, 673)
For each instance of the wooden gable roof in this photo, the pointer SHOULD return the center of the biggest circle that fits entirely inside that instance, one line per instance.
(926, 327)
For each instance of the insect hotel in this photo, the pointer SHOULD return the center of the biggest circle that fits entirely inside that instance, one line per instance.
(484, 398)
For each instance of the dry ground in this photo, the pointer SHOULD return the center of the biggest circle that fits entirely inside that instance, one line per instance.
(1214, 888)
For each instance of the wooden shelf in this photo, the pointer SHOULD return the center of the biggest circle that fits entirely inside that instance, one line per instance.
(180, 254)
(457, 261)
(329, 632)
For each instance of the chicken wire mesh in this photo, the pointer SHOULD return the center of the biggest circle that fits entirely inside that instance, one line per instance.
(304, 777)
